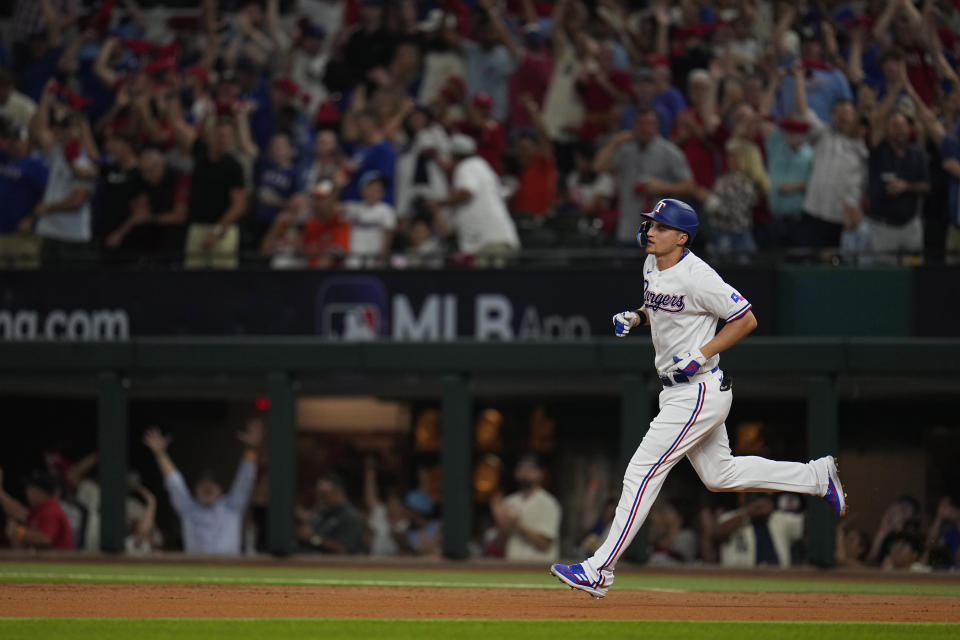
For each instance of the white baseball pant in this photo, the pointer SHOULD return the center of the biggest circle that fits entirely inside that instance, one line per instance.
(691, 423)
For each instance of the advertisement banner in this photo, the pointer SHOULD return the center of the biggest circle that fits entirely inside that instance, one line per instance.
(340, 305)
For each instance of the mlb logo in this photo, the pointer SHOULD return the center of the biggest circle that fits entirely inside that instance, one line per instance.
(352, 308)
(351, 322)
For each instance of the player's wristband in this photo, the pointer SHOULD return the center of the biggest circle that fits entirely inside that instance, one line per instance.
(642, 317)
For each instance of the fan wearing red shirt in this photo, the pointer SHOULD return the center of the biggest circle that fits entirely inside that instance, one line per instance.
(699, 131)
(532, 76)
(46, 525)
(537, 177)
(912, 38)
(533, 65)
(601, 87)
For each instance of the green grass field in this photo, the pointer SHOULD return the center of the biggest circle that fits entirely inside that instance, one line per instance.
(429, 629)
(299, 629)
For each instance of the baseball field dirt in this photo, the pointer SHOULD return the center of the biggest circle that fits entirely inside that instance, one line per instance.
(236, 601)
(199, 599)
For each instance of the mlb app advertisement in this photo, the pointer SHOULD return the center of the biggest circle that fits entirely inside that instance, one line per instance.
(432, 306)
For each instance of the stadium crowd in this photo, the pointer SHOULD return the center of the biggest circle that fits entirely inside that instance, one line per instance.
(405, 133)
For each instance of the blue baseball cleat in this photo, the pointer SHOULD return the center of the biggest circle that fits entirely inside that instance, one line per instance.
(835, 495)
(575, 577)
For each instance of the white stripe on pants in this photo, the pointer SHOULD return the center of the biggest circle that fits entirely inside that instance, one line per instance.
(690, 423)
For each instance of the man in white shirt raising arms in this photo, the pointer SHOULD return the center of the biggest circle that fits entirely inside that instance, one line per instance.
(212, 521)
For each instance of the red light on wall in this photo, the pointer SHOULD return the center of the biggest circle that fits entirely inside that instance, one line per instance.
(262, 403)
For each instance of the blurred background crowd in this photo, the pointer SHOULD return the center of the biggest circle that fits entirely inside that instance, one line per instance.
(431, 133)
(528, 506)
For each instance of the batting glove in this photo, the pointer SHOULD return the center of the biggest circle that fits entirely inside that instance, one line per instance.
(689, 363)
(624, 321)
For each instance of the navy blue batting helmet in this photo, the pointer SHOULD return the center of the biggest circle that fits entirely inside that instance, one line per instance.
(671, 213)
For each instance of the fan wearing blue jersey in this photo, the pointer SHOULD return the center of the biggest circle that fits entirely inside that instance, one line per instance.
(23, 181)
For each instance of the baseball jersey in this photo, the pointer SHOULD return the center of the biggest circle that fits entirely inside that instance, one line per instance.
(22, 185)
(684, 304)
(369, 225)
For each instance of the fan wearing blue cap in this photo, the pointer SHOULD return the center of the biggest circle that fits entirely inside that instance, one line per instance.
(372, 222)
(684, 300)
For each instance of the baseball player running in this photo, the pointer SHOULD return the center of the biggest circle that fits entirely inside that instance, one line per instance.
(683, 299)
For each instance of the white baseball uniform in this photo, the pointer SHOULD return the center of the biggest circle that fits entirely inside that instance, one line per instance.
(684, 304)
